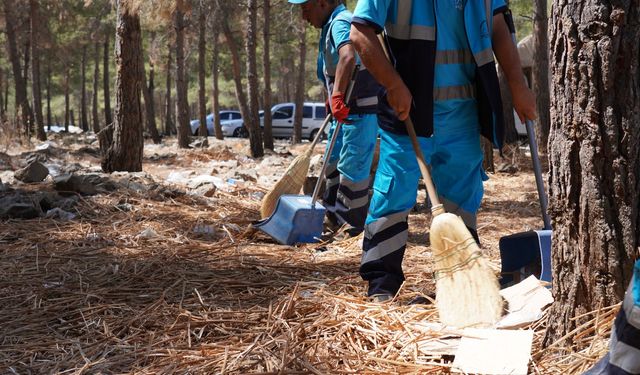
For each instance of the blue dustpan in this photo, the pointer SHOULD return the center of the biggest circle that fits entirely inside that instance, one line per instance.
(529, 253)
(294, 220)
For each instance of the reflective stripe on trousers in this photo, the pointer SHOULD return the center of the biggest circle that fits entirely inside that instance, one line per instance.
(458, 179)
(347, 186)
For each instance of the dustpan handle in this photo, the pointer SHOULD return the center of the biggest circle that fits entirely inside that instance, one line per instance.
(336, 131)
(537, 170)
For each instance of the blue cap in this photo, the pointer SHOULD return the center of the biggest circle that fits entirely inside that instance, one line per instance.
(298, 1)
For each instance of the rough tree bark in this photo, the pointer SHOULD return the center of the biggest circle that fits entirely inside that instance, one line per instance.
(184, 129)
(67, 111)
(35, 71)
(594, 154)
(22, 102)
(297, 120)
(266, 62)
(125, 152)
(2, 111)
(96, 87)
(49, 119)
(202, 51)
(541, 73)
(108, 118)
(252, 121)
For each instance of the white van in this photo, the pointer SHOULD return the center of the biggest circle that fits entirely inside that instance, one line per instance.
(313, 114)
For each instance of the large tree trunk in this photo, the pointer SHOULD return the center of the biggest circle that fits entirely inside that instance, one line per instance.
(168, 113)
(96, 87)
(147, 92)
(108, 118)
(125, 153)
(23, 109)
(35, 71)
(215, 106)
(541, 73)
(84, 122)
(184, 129)
(202, 51)
(297, 120)
(252, 122)
(266, 61)
(235, 59)
(595, 156)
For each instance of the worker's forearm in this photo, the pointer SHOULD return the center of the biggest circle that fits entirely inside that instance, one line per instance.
(367, 45)
(346, 63)
(505, 50)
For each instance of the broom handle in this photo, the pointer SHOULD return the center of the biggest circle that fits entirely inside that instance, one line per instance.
(320, 131)
(436, 207)
(537, 169)
(336, 131)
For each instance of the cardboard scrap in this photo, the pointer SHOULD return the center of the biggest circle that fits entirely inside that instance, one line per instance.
(490, 351)
(527, 301)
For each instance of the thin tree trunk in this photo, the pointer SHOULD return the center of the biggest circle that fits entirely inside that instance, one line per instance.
(84, 122)
(125, 152)
(108, 118)
(21, 101)
(5, 105)
(216, 75)
(168, 117)
(2, 110)
(266, 61)
(49, 119)
(297, 120)
(252, 122)
(235, 59)
(202, 104)
(67, 111)
(541, 73)
(96, 87)
(184, 129)
(147, 91)
(594, 156)
(35, 71)
(73, 117)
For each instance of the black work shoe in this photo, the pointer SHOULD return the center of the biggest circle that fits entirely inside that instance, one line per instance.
(381, 298)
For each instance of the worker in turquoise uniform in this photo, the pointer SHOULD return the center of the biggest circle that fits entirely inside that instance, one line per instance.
(347, 187)
(440, 70)
(623, 357)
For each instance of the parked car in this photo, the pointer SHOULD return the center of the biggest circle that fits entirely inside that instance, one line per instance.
(313, 114)
(230, 121)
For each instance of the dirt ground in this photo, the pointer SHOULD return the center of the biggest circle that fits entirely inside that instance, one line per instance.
(165, 281)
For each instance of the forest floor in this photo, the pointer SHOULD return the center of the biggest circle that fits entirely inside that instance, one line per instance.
(157, 275)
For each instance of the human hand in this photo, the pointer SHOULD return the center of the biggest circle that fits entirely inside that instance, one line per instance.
(524, 102)
(400, 99)
(339, 108)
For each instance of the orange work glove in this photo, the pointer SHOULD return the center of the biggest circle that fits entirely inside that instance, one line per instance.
(339, 108)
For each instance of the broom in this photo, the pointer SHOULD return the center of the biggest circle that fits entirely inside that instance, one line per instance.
(467, 290)
(293, 178)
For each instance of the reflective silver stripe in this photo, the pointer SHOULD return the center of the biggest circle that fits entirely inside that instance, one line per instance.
(407, 32)
(404, 12)
(385, 248)
(454, 56)
(470, 219)
(487, 6)
(454, 92)
(352, 203)
(365, 102)
(354, 186)
(624, 356)
(484, 57)
(385, 222)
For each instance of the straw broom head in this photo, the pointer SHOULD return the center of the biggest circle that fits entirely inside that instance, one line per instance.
(290, 183)
(467, 290)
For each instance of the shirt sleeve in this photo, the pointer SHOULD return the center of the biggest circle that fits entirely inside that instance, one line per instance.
(340, 32)
(373, 13)
(499, 6)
